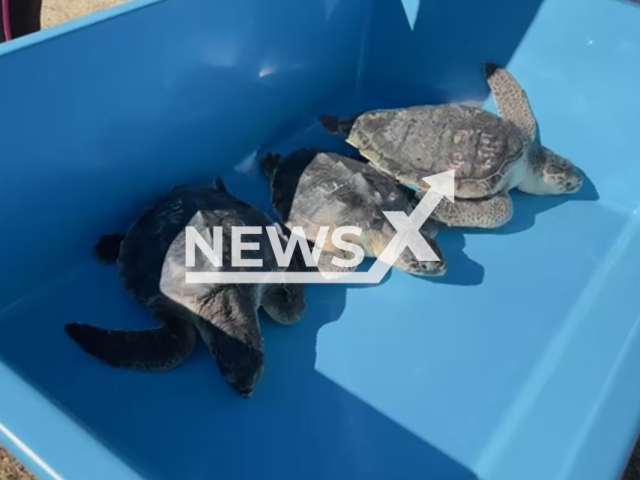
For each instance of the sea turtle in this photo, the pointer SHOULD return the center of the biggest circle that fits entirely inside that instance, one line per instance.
(151, 261)
(311, 188)
(491, 154)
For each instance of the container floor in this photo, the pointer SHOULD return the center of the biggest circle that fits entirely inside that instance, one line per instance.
(446, 372)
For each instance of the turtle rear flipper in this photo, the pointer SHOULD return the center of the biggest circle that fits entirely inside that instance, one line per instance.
(108, 248)
(219, 184)
(326, 265)
(337, 125)
(156, 349)
(269, 162)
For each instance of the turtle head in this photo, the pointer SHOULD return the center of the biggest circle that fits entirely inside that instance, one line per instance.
(551, 174)
(228, 324)
(406, 260)
(240, 364)
(243, 378)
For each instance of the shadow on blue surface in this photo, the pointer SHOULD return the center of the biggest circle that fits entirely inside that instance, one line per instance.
(526, 208)
(188, 424)
(439, 58)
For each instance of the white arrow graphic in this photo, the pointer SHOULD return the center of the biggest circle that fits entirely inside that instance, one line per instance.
(407, 236)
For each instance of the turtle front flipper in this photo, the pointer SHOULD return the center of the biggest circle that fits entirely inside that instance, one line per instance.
(510, 99)
(108, 248)
(156, 349)
(493, 212)
(285, 303)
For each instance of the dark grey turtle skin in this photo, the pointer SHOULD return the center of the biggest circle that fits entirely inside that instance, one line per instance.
(152, 266)
(312, 188)
(491, 154)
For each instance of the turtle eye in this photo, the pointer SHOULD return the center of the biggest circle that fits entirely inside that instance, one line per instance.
(377, 223)
(284, 295)
(554, 170)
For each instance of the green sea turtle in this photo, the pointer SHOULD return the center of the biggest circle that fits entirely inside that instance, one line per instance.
(491, 154)
(151, 260)
(312, 188)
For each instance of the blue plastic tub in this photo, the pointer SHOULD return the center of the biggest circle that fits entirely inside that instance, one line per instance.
(522, 363)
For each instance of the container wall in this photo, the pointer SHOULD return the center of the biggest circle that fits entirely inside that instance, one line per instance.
(533, 330)
(96, 121)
